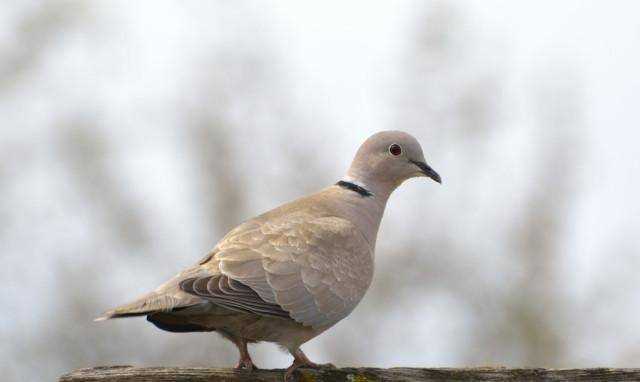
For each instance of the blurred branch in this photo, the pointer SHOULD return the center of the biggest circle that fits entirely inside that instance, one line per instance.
(86, 153)
(537, 306)
(35, 33)
(220, 189)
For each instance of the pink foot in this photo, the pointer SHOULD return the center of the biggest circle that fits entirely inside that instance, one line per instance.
(301, 360)
(245, 363)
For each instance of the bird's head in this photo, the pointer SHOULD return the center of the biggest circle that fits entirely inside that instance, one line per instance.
(388, 158)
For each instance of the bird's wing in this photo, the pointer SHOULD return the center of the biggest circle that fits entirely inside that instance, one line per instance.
(232, 294)
(313, 268)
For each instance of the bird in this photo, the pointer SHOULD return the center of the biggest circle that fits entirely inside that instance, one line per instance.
(291, 273)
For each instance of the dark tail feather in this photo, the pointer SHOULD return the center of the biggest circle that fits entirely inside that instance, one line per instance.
(174, 324)
(111, 314)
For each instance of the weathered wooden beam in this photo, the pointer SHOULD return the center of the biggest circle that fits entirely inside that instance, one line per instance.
(364, 374)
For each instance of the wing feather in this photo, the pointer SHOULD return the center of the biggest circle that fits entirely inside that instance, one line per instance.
(216, 289)
(313, 269)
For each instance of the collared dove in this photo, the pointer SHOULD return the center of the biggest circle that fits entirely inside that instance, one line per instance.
(293, 272)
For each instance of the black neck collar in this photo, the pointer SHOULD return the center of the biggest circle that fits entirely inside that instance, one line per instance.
(354, 187)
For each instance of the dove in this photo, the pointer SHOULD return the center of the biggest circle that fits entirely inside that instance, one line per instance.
(291, 273)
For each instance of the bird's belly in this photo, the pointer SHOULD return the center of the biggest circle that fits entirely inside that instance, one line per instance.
(283, 331)
(252, 327)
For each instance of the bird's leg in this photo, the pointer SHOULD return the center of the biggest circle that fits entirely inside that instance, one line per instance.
(245, 362)
(300, 360)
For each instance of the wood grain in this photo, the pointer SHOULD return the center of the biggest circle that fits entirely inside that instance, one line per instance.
(364, 374)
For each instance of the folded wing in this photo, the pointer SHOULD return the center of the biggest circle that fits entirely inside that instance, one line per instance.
(313, 269)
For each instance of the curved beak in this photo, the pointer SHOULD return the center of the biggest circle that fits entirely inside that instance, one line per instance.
(428, 171)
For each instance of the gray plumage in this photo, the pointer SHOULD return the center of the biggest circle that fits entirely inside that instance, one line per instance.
(289, 274)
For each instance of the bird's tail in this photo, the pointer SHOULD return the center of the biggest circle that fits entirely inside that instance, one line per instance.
(145, 305)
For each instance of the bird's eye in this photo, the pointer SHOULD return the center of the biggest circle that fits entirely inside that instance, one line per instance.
(395, 149)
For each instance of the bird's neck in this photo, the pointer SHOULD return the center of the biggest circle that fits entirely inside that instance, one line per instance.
(380, 190)
(365, 205)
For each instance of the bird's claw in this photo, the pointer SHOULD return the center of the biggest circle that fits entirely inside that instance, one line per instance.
(288, 376)
(245, 365)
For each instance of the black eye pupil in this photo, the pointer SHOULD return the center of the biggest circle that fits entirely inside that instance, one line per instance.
(395, 149)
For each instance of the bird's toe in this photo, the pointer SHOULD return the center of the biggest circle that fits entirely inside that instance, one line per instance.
(245, 365)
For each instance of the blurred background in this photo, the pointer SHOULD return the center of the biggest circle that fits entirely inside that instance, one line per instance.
(135, 134)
